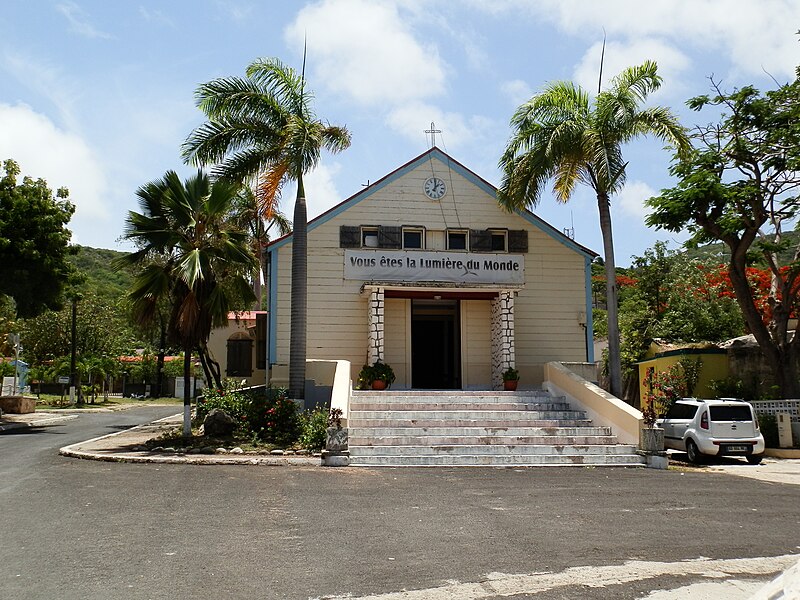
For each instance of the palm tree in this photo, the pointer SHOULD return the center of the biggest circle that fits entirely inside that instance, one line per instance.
(262, 129)
(562, 135)
(190, 255)
(247, 214)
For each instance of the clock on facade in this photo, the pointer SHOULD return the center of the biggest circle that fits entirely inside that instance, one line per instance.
(434, 188)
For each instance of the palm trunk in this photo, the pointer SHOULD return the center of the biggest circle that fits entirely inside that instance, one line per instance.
(299, 315)
(614, 360)
(187, 392)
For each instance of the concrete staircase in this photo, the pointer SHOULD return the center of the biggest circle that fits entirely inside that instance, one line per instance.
(477, 428)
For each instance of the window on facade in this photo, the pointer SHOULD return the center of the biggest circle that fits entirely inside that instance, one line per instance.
(369, 237)
(499, 239)
(456, 240)
(240, 357)
(413, 238)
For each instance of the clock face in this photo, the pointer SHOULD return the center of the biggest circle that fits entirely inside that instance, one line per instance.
(435, 188)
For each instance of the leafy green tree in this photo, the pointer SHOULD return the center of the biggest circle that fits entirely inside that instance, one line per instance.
(34, 242)
(262, 129)
(739, 186)
(191, 256)
(561, 135)
(101, 330)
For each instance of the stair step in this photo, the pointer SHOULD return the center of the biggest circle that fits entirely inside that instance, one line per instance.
(455, 415)
(453, 393)
(491, 450)
(458, 404)
(484, 421)
(484, 440)
(448, 430)
(539, 460)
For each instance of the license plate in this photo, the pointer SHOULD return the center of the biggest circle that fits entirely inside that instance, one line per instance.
(735, 448)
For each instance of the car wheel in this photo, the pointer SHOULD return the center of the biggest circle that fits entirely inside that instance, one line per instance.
(755, 459)
(693, 452)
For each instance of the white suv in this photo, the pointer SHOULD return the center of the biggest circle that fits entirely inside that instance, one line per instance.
(725, 427)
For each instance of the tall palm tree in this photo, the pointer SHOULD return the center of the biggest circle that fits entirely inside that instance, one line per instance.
(561, 134)
(190, 255)
(262, 129)
(249, 216)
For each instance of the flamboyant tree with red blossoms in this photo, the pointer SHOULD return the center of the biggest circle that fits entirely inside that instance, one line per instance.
(740, 186)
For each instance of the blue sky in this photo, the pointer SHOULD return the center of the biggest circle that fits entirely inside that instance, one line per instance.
(98, 96)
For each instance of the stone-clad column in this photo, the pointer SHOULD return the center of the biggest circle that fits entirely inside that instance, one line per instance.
(503, 353)
(375, 350)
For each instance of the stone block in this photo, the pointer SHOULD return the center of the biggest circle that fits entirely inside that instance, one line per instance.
(18, 405)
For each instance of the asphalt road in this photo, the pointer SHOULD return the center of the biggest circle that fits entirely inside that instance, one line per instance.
(75, 529)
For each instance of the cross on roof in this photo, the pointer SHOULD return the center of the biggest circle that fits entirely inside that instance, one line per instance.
(433, 131)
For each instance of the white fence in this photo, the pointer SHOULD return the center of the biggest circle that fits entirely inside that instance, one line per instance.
(773, 407)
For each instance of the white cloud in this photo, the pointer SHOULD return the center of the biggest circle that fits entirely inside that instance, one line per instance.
(517, 91)
(457, 130)
(321, 192)
(756, 36)
(62, 158)
(672, 63)
(366, 52)
(79, 21)
(630, 201)
(46, 80)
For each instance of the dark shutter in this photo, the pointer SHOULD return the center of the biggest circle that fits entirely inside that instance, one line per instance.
(240, 358)
(390, 236)
(350, 236)
(518, 241)
(480, 240)
(261, 341)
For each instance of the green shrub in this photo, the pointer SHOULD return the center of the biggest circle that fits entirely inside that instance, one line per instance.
(769, 429)
(230, 399)
(313, 424)
(730, 387)
(272, 417)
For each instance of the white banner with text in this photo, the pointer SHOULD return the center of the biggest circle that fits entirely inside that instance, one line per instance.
(449, 267)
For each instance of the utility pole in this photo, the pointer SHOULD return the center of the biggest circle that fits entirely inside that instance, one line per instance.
(72, 374)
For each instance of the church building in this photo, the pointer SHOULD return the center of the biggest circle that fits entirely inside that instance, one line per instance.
(426, 272)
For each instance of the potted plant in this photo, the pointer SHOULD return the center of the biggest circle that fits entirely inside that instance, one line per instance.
(379, 376)
(510, 379)
(651, 438)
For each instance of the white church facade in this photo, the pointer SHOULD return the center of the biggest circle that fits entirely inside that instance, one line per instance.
(424, 271)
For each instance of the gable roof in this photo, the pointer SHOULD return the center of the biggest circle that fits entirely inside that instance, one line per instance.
(450, 162)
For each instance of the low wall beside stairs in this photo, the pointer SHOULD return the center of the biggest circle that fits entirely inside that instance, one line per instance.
(600, 406)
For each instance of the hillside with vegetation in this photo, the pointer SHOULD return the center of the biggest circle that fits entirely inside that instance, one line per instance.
(102, 278)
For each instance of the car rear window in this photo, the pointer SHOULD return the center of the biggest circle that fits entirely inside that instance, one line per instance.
(730, 413)
(682, 411)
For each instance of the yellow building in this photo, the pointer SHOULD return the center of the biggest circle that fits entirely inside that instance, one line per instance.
(240, 348)
(423, 270)
(714, 366)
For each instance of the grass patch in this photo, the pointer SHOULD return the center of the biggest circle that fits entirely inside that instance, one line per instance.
(53, 402)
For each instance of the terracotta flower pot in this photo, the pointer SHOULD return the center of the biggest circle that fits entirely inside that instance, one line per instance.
(510, 385)
(379, 384)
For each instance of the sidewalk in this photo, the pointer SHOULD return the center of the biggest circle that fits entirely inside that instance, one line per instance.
(35, 419)
(127, 446)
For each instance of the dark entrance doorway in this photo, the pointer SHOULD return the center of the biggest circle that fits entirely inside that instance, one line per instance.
(435, 344)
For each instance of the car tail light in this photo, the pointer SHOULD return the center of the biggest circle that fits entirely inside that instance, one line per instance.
(704, 420)
(755, 420)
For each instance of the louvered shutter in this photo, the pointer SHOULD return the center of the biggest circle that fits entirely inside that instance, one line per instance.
(390, 236)
(349, 236)
(518, 241)
(480, 240)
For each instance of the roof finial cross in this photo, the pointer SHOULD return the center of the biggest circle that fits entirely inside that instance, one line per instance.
(433, 131)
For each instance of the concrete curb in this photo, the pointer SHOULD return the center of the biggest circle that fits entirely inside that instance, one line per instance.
(37, 422)
(83, 450)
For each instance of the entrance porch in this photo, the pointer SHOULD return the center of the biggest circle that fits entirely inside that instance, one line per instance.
(436, 337)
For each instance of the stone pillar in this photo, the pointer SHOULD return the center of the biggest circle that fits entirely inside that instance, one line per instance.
(503, 354)
(376, 324)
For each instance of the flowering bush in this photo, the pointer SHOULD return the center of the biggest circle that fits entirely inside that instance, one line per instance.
(272, 417)
(663, 389)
